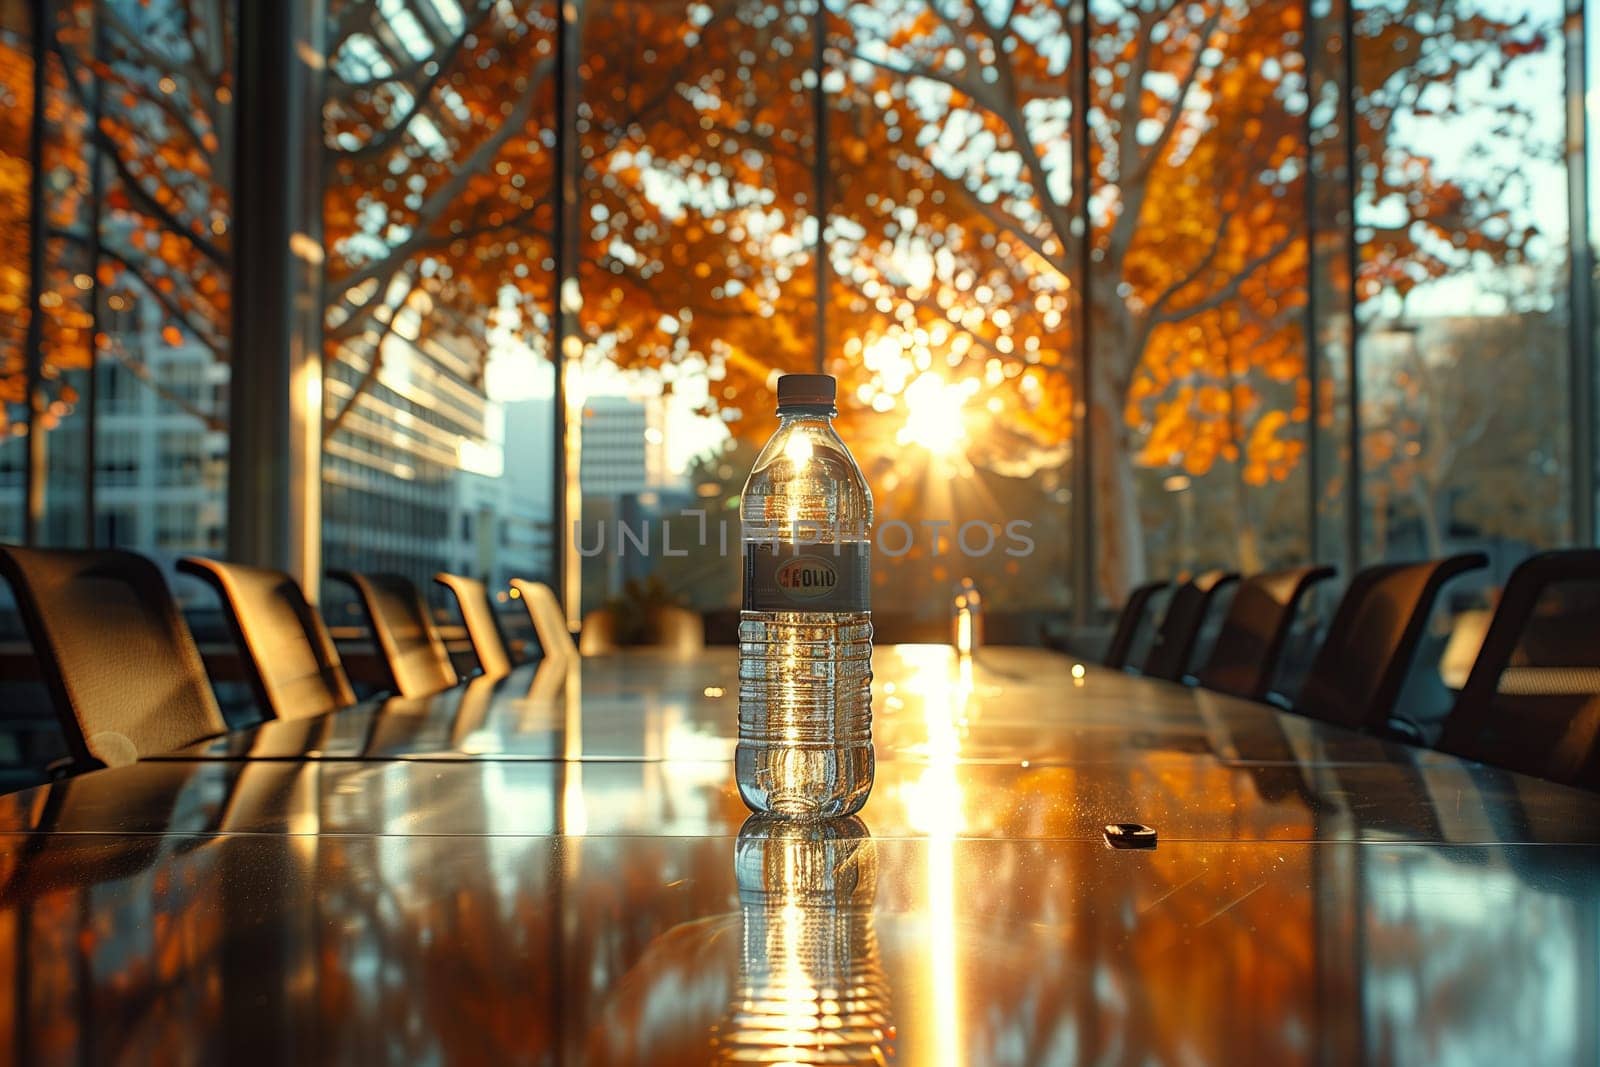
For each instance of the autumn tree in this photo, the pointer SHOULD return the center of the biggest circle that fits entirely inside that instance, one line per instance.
(1198, 259)
(952, 222)
(442, 172)
(437, 175)
(145, 93)
(16, 110)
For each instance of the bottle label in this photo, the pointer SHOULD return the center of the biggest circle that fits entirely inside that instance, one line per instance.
(791, 577)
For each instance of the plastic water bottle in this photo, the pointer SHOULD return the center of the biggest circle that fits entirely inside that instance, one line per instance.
(805, 635)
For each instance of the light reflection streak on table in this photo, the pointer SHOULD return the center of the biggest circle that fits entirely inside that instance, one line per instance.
(593, 813)
(940, 795)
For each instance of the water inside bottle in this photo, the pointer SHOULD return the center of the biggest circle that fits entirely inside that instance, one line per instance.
(805, 636)
(805, 712)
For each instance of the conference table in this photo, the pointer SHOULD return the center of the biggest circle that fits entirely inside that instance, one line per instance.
(555, 867)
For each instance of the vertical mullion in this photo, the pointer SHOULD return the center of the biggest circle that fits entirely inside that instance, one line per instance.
(33, 345)
(1308, 45)
(1580, 264)
(275, 417)
(1083, 557)
(91, 386)
(1353, 499)
(558, 441)
(564, 192)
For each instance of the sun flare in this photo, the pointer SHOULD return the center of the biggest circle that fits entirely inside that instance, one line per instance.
(934, 417)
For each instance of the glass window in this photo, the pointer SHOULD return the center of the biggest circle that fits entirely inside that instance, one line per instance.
(117, 458)
(117, 526)
(1301, 296)
(1328, 299)
(953, 235)
(1461, 216)
(177, 525)
(1197, 287)
(437, 219)
(183, 459)
(695, 282)
(133, 284)
(1462, 295)
(16, 178)
(119, 392)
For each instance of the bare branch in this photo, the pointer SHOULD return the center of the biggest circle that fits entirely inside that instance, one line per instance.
(1007, 111)
(1145, 162)
(1022, 137)
(368, 376)
(964, 86)
(447, 194)
(135, 186)
(163, 101)
(1230, 290)
(1210, 257)
(200, 331)
(134, 41)
(420, 96)
(141, 370)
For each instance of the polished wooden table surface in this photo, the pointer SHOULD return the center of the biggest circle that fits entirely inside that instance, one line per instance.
(556, 868)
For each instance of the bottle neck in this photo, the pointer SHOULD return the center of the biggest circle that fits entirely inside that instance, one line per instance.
(791, 413)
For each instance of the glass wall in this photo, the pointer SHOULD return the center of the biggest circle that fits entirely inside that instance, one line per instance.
(17, 57)
(1463, 284)
(694, 282)
(1460, 296)
(125, 256)
(1162, 267)
(1198, 287)
(1232, 283)
(952, 236)
(116, 147)
(438, 225)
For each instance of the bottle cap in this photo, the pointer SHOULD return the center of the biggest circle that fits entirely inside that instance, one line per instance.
(807, 389)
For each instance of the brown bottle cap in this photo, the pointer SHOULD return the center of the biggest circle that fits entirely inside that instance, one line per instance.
(807, 389)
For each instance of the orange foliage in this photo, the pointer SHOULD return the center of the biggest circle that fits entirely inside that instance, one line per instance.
(1200, 259)
(16, 108)
(159, 77)
(951, 201)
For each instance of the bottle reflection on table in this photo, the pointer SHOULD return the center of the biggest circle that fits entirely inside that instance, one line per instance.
(811, 986)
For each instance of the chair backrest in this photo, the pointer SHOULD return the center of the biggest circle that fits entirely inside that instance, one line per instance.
(549, 622)
(598, 635)
(664, 626)
(1134, 615)
(413, 652)
(1245, 657)
(1532, 700)
(477, 611)
(676, 629)
(119, 662)
(1357, 673)
(289, 657)
(1180, 627)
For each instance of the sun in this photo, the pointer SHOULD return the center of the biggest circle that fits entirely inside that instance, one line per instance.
(934, 415)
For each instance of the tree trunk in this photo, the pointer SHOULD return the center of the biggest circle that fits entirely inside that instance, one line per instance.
(1427, 501)
(1119, 534)
(1249, 546)
(1247, 538)
(1114, 347)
